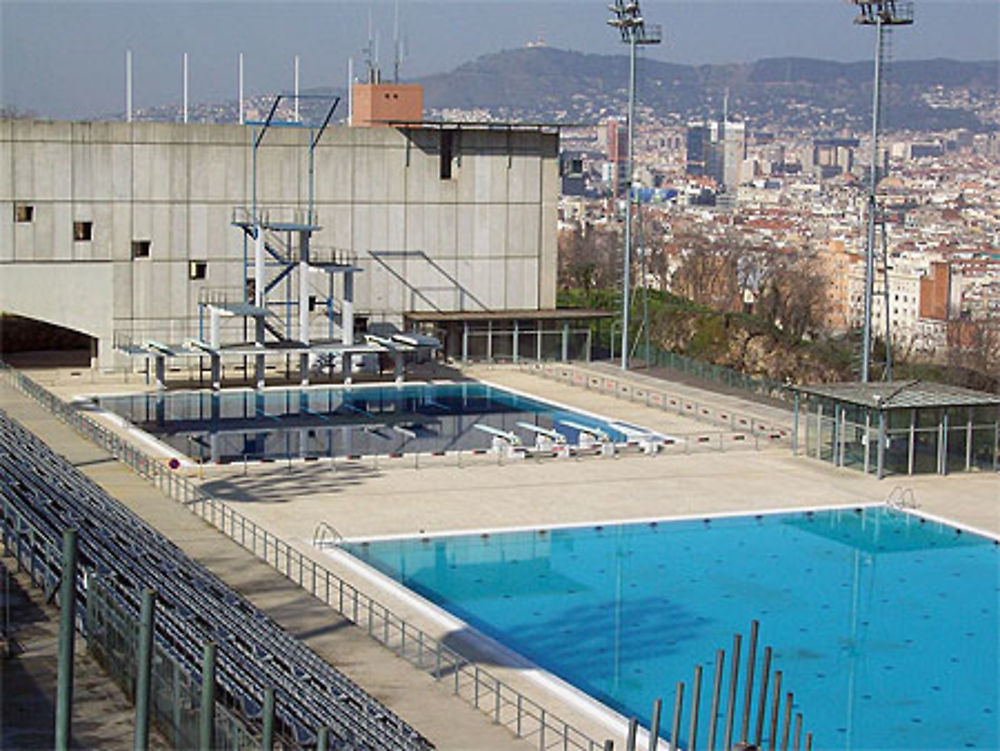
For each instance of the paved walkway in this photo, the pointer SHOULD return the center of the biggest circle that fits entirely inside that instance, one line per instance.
(425, 704)
(102, 716)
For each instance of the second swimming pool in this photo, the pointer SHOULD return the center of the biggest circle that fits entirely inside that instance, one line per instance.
(885, 624)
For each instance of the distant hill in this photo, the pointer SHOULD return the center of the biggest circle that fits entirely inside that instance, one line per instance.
(544, 83)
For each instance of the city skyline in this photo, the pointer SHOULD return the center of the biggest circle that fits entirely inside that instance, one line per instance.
(64, 60)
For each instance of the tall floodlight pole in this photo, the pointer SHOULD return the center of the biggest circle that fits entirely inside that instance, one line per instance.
(882, 14)
(628, 20)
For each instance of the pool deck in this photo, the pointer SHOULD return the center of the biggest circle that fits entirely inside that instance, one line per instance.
(366, 500)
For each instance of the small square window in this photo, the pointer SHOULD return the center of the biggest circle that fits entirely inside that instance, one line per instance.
(83, 231)
(140, 249)
(197, 270)
(24, 213)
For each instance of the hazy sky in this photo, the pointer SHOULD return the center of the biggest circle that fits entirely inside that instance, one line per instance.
(66, 59)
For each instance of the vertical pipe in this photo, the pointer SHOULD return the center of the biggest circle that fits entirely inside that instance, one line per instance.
(350, 91)
(797, 738)
(788, 721)
(67, 607)
(206, 718)
(145, 667)
(128, 86)
(633, 729)
(675, 726)
(795, 429)
(713, 716)
(880, 466)
(762, 704)
(267, 734)
(748, 692)
(734, 681)
(911, 442)
(296, 111)
(654, 725)
(239, 86)
(185, 66)
(347, 310)
(873, 177)
(626, 286)
(695, 700)
(775, 708)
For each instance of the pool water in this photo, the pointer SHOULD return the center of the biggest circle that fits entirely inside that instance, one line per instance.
(884, 624)
(340, 421)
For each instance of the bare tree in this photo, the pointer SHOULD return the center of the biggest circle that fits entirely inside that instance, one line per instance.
(589, 258)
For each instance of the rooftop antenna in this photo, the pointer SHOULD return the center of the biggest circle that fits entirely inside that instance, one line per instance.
(397, 59)
(883, 15)
(627, 18)
(371, 51)
(128, 86)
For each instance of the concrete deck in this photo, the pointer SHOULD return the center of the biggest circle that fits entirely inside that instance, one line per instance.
(368, 500)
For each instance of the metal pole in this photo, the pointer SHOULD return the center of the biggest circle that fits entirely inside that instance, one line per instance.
(128, 86)
(323, 739)
(267, 734)
(185, 87)
(734, 680)
(296, 112)
(240, 87)
(206, 720)
(145, 668)
(67, 606)
(775, 708)
(675, 726)
(713, 717)
(765, 676)
(695, 700)
(633, 729)
(870, 250)
(626, 286)
(748, 693)
(654, 725)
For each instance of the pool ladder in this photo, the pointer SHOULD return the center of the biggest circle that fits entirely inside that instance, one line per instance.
(326, 535)
(901, 498)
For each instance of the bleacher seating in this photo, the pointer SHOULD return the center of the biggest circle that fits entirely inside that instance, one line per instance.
(194, 607)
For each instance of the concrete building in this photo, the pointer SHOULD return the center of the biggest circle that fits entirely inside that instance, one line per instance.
(117, 228)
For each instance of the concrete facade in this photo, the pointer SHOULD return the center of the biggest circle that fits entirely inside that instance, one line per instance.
(483, 239)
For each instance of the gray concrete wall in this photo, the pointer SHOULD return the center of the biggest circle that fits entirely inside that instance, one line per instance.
(484, 239)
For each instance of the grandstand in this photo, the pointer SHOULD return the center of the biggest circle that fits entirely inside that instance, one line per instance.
(43, 495)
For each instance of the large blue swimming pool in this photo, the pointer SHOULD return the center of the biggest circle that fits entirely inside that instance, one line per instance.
(342, 421)
(885, 625)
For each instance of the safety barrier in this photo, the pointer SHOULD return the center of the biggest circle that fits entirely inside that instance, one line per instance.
(506, 705)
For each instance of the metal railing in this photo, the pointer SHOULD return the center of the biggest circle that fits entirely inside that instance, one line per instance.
(626, 388)
(506, 705)
(112, 638)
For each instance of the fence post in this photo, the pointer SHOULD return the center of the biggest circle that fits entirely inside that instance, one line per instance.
(67, 606)
(206, 719)
(145, 668)
(267, 735)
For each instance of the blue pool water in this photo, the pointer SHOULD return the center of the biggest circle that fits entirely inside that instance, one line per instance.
(339, 421)
(885, 625)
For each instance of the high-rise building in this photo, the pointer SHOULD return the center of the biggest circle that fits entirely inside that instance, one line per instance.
(617, 153)
(717, 150)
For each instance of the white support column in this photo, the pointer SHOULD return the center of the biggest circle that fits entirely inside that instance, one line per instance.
(259, 358)
(347, 310)
(399, 369)
(259, 281)
(214, 325)
(161, 369)
(216, 371)
(304, 303)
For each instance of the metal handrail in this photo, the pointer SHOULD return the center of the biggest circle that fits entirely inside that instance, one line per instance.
(488, 693)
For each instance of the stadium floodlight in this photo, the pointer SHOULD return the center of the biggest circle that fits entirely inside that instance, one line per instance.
(627, 18)
(882, 14)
